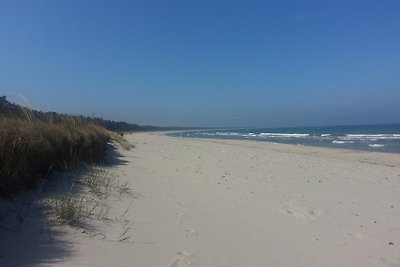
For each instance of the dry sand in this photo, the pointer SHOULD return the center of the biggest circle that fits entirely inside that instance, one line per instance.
(198, 202)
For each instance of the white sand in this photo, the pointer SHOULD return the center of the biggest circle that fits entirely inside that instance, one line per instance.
(208, 203)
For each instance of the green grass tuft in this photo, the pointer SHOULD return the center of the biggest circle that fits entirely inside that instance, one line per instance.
(98, 181)
(68, 210)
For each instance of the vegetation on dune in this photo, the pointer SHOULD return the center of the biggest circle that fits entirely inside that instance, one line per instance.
(34, 143)
(98, 184)
(121, 141)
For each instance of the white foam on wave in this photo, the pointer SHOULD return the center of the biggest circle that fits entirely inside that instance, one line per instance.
(295, 135)
(325, 135)
(377, 145)
(371, 137)
(342, 142)
(249, 135)
(208, 134)
(227, 133)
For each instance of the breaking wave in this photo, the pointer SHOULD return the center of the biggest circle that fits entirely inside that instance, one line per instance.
(375, 137)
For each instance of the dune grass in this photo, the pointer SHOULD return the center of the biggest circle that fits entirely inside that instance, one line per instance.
(68, 210)
(96, 185)
(98, 181)
(121, 141)
(34, 143)
(30, 147)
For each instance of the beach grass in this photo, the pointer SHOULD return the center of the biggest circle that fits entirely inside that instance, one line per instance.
(121, 141)
(31, 147)
(68, 210)
(98, 181)
(96, 185)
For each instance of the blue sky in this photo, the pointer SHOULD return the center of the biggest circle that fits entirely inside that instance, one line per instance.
(205, 63)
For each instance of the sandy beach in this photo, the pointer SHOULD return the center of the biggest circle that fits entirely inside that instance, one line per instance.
(202, 202)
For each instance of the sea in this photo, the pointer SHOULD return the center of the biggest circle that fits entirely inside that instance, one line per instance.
(379, 138)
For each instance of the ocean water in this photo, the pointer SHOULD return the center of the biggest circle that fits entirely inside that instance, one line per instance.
(380, 138)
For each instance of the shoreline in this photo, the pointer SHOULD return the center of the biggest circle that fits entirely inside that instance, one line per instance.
(373, 138)
(303, 149)
(284, 144)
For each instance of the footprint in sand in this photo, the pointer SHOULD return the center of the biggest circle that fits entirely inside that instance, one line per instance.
(197, 169)
(310, 215)
(357, 236)
(182, 259)
(171, 192)
(179, 218)
(191, 233)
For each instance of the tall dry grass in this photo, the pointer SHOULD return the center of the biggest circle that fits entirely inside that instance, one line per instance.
(32, 146)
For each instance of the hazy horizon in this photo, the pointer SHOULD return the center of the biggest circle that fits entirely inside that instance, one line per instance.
(205, 64)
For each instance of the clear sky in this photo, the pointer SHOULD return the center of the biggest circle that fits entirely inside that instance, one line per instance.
(205, 62)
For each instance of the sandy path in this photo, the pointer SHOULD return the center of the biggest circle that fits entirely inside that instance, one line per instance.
(236, 203)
